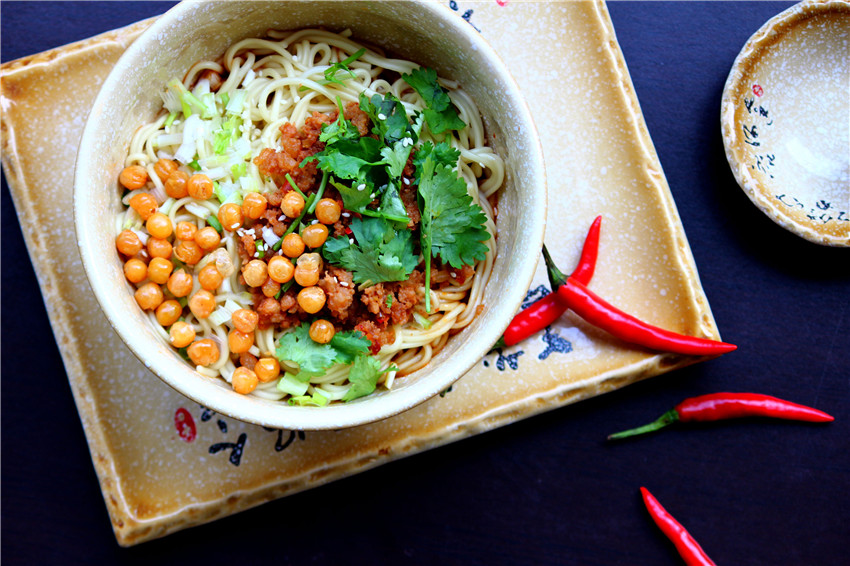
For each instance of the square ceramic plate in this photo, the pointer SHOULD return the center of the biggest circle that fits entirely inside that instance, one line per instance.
(164, 463)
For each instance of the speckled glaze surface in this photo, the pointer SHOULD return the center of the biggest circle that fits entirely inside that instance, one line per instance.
(786, 120)
(165, 463)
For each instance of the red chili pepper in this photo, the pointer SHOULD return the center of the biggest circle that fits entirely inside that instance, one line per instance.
(548, 309)
(595, 310)
(721, 406)
(689, 549)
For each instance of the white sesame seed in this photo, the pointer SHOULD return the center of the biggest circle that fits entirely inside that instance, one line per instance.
(235, 226)
(406, 181)
(351, 240)
(382, 117)
(346, 215)
(361, 186)
(344, 283)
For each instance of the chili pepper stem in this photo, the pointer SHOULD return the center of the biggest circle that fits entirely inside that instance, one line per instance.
(556, 277)
(666, 419)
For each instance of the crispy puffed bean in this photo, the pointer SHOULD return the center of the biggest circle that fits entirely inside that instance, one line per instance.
(208, 238)
(314, 235)
(267, 369)
(244, 380)
(168, 312)
(245, 320)
(176, 185)
(135, 270)
(202, 303)
(159, 225)
(188, 251)
(311, 299)
(292, 204)
(307, 269)
(270, 288)
(292, 245)
(133, 177)
(185, 231)
(199, 186)
(322, 331)
(203, 352)
(280, 269)
(209, 277)
(149, 296)
(159, 270)
(128, 243)
(144, 204)
(240, 342)
(255, 273)
(180, 283)
(230, 216)
(181, 334)
(254, 205)
(328, 211)
(164, 168)
(159, 248)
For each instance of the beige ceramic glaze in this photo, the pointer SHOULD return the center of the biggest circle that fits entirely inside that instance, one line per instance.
(786, 120)
(425, 32)
(164, 463)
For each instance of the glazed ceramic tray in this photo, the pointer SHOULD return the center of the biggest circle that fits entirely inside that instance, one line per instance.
(164, 463)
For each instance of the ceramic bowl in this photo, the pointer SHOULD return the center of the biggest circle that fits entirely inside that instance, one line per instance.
(786, 120)
(425, 32)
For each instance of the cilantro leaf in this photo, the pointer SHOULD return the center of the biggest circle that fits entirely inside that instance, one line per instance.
(452, 225)
(380, 254)
(441, 154)
(353, 198)
(440, 113)
(313, 359)
(392, 207)
(395, 158)
(363, 376)
(340, 129)
(389, 118)
(330, 72)
(349, 344)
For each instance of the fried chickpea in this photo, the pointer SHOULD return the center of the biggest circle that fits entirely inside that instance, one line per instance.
(176, 185)
(185, 231)
(314, 235)
(199, 186)
(207, 238)
(188, 252)
(159, 225)
(133, 177)
(128, 243)
(164, 168)
(159, 270)
(230, 216)
(311, 299)
(135, 270)
(240, 342)
(244, 380)
(209, 277)
(245, 320)
(292, 245)
(322, 331)
(255, 273)
(254, 205)
(181, 334)
(149, 296)
(159, 248)
(267, 369)
(168, 312)
(280, 269)
(144, 204)
(180, 283)
(328, 211)
(270, 288)
(292, 204)
(202, 303)
(307, 269)
(203, 352)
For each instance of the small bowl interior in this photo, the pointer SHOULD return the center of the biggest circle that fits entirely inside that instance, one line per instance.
(786, 120)
(423, 32)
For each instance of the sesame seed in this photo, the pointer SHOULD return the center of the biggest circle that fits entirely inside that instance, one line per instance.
(235, 226)
(346, 215)
(406, 181)
(361, 186)
(382, 117)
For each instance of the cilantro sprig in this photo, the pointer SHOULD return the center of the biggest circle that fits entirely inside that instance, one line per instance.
(440, 113)
(314, 359)
(379, 254)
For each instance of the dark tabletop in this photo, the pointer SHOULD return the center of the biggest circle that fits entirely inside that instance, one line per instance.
(547, 490)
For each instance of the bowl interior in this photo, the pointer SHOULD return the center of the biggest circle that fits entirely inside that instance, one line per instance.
(423, 32)
(786, 120)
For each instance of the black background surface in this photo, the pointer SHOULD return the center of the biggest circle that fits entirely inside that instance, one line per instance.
(547, 490)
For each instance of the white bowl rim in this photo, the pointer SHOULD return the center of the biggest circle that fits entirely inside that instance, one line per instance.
(335, 416)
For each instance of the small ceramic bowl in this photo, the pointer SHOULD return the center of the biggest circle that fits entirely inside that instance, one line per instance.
(425, 32)
(786, 120)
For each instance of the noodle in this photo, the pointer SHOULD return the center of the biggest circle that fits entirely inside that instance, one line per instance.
(262, 85)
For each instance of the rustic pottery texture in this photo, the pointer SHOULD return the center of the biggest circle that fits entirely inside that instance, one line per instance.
(786, 120)
(165, 463)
